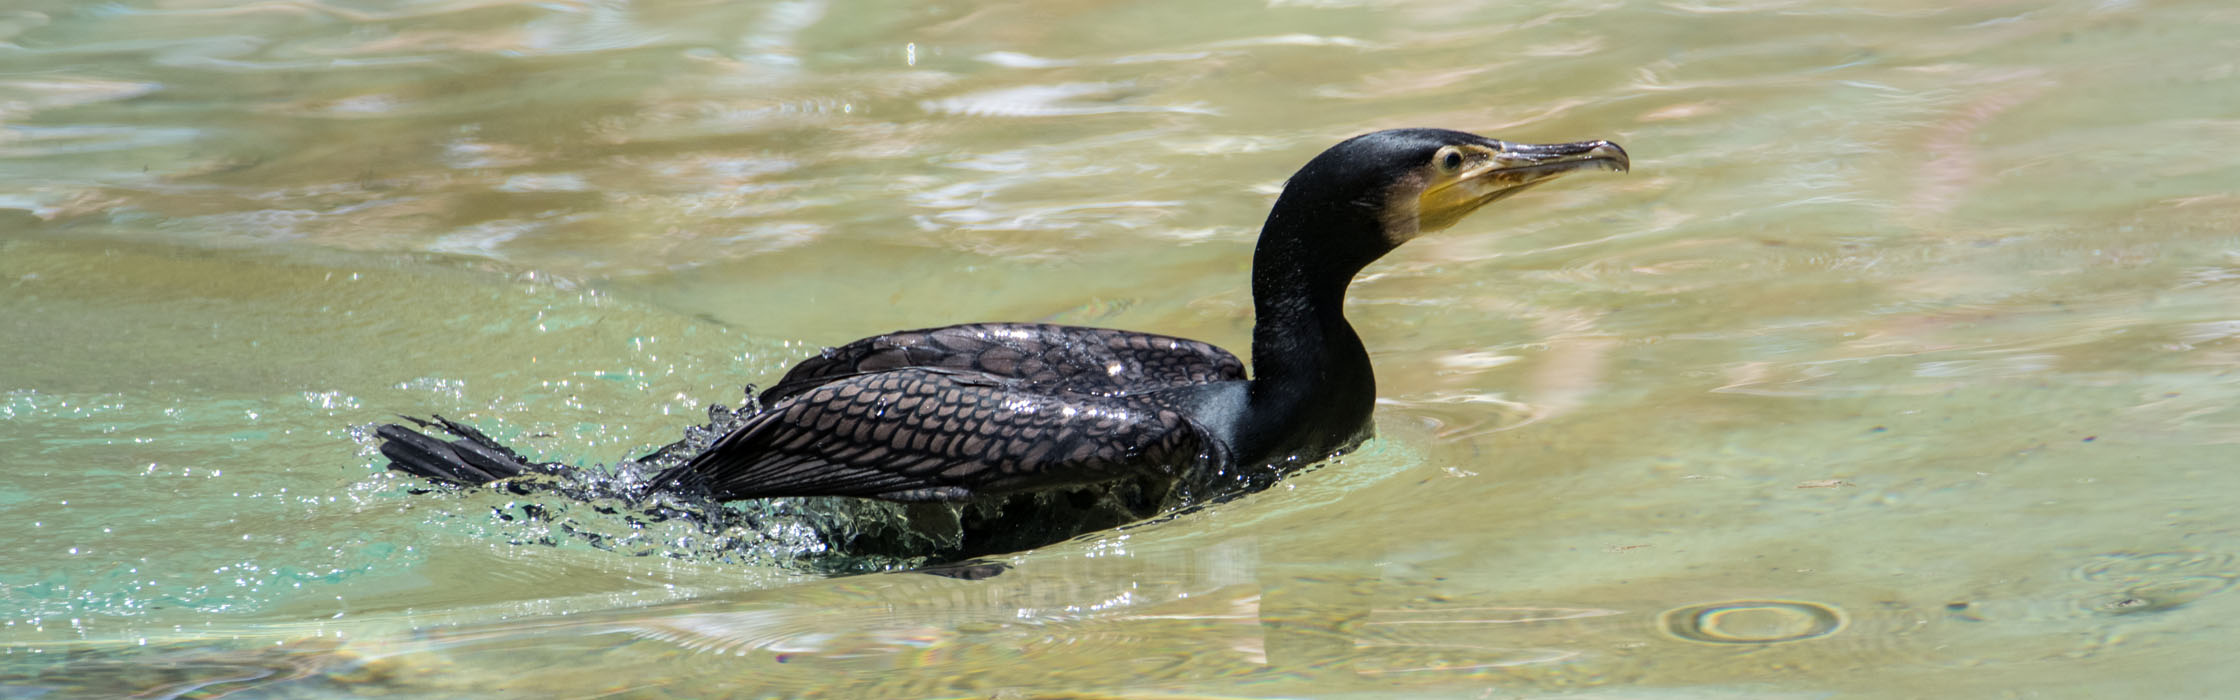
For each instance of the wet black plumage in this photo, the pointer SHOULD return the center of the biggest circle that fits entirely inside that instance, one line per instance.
(943, 414)
(992, 412)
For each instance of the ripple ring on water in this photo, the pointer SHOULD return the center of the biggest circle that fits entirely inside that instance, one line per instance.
(1752, 621)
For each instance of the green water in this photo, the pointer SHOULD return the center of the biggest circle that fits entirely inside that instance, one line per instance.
(1901, 365)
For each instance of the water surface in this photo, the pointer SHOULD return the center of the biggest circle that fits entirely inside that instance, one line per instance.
(1901, 365)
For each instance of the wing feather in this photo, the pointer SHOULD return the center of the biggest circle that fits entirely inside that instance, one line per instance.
(1036, 357)
(923, 433)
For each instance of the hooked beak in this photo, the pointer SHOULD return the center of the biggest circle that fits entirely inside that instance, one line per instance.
(1500, 169)
(1531, 162)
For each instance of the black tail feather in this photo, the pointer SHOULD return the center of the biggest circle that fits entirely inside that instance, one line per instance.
(472, 460)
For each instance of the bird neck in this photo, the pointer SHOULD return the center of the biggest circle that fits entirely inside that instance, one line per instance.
(1312, 388)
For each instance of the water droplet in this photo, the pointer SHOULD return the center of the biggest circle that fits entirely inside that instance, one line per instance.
(2157, 596)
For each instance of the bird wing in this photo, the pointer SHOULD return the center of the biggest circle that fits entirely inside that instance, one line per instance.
(1039, 357)
(930, 434)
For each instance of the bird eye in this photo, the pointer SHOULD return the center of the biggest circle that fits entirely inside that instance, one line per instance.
(1450, 161)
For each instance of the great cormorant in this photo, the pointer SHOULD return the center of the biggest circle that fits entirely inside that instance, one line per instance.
(1003, 415)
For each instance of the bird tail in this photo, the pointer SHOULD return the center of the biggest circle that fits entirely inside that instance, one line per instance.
(628, 497)
(472, 459)
(446, 451)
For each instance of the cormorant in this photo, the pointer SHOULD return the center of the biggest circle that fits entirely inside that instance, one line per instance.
(1039, 432)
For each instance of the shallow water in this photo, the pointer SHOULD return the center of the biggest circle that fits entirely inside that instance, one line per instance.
(1901, 365)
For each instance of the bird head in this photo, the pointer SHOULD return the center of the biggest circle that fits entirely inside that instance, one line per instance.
(1402, 183)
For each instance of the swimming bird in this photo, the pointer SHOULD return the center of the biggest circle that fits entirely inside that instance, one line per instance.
(1051, 430)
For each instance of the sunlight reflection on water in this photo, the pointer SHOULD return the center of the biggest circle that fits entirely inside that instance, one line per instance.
(1899, 365)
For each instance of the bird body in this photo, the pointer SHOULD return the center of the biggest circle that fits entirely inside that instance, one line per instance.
(994, 412)
(943, 414)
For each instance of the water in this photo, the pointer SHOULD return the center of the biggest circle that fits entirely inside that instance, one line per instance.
(1899, 366)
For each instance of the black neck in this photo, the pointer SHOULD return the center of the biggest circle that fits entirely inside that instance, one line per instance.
(1312, 388)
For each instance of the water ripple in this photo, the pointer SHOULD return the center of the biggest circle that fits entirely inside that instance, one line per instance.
(1060, 100)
